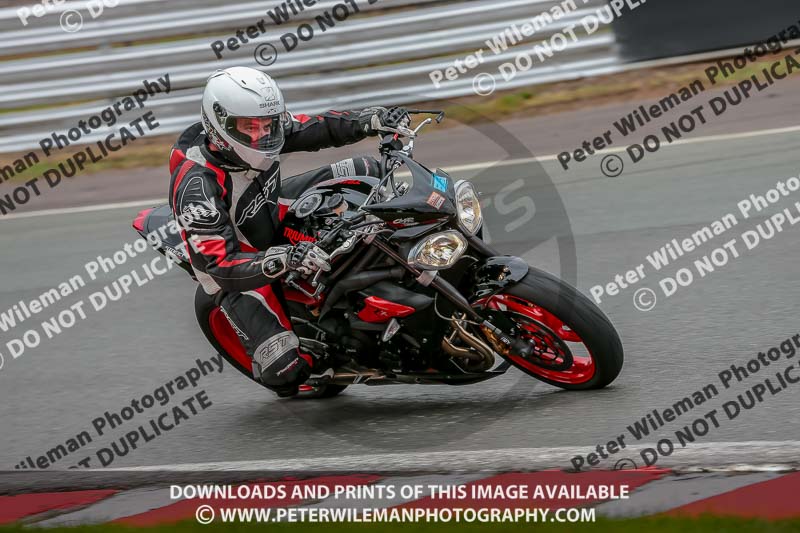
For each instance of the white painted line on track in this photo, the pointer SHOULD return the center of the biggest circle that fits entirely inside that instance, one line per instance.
(696, 140)
(457, 168)
(741, 456)
(85, 209)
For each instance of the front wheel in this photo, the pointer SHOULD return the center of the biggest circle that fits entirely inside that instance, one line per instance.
(575, 347)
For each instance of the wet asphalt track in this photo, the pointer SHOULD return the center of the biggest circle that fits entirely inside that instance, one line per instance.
(54, 391)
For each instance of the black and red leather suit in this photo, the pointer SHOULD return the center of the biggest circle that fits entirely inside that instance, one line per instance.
(231, 218)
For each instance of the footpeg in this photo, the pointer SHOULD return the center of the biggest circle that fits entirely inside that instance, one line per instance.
(315, 380)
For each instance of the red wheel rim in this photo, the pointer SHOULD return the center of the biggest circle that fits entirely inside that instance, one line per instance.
(227, 338)
(583, 366)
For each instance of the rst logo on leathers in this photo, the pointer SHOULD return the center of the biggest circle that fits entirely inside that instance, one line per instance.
(344, 168)
(199, 214)
(197, 211)
(271, 351)
(261, 199)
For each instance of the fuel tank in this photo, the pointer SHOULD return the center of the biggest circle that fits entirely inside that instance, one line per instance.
(320, 207)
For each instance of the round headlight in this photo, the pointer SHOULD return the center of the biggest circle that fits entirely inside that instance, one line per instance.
(438, 251)
(468, 207)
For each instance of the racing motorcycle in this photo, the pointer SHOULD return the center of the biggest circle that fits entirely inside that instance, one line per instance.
(414, 295)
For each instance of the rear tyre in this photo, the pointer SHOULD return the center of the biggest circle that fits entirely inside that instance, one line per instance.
(223, 338)
(577, 346)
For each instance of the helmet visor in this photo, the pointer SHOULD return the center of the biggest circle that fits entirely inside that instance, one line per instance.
(264, 134)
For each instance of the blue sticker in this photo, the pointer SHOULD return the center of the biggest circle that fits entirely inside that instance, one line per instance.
(440, 183)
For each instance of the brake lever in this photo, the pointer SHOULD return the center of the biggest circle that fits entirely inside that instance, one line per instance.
(345, 247)
(409, 148)
(400, 130)
(422, 125)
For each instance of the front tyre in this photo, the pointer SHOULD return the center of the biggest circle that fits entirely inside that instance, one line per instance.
(575, 345)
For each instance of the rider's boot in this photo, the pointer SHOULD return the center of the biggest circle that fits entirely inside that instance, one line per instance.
(316, 367)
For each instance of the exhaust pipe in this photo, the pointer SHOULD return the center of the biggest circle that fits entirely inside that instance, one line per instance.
(482, 354)
(372, 377)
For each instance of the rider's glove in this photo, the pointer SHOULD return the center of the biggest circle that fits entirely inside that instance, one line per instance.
(308, 258)
(305, 258)
(275, 262)
(376, 120)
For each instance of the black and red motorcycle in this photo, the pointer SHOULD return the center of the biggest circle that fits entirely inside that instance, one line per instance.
(414, 294)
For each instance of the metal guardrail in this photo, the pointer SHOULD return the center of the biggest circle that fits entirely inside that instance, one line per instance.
(423, 18)
(107, 29)
(367, 59)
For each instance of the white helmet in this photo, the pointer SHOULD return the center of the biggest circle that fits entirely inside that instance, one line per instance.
(244, 115)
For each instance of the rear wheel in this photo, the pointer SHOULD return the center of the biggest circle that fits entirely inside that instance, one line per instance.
(575, 347)
(223, 338)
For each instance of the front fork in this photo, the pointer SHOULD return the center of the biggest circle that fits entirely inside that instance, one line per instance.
(494, 276)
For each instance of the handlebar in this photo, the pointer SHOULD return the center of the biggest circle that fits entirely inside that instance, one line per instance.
(439, 114)
(389, 143)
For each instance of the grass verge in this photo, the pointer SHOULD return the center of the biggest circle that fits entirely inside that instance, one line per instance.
(638, 85)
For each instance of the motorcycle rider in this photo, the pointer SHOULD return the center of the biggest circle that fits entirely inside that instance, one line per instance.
(225, 192)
